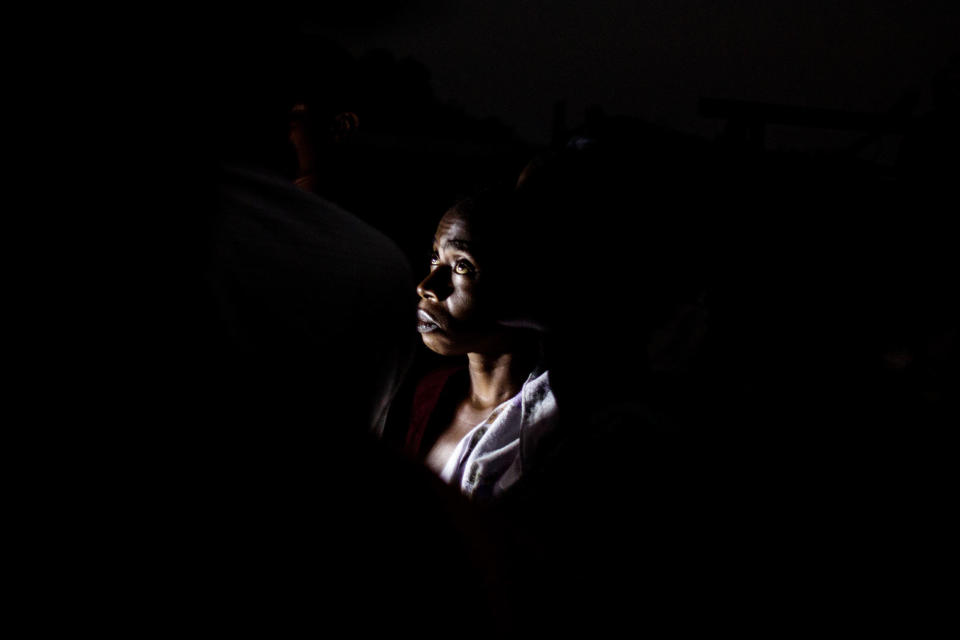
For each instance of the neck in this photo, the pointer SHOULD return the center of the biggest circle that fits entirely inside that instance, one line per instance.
(496, 378)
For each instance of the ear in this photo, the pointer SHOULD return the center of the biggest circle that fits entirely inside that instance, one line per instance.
(344, 125)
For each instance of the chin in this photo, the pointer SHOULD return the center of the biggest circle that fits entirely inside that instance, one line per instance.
(441, 345)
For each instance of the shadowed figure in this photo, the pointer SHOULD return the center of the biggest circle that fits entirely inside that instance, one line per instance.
(277, 509)
(725, 442)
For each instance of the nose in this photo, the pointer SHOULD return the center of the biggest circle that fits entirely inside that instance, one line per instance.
(436, 286)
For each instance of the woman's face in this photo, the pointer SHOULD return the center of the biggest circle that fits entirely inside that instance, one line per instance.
(456, 311)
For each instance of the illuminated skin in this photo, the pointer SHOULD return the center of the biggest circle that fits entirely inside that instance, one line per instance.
(456, 316)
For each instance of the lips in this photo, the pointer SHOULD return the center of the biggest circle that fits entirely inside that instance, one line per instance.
(426, 322)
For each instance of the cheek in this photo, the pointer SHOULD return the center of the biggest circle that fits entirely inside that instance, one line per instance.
(462, 306)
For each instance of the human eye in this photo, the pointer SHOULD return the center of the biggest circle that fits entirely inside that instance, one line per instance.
(463, 267)
(435, 258)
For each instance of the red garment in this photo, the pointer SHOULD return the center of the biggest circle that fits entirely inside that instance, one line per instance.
(425, 400)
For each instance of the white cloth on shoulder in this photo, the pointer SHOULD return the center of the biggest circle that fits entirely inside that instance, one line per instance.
(491, 457)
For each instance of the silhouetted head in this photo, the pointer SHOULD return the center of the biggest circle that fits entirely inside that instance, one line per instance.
(261, 73)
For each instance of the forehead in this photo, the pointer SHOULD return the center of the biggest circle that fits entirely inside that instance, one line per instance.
(453, 225)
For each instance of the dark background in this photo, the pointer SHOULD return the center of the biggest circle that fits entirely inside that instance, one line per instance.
(833, 316)
(455, 96)
(513, 60)
(506, 65)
